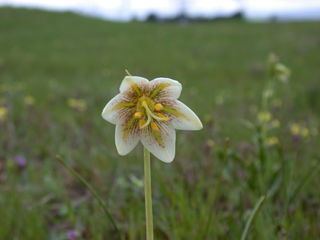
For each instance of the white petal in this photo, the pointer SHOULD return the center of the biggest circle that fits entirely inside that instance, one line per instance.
(166, 152)
(188, 121)
(129, 80)
(109, 113)
(125, 145)
(174, 88)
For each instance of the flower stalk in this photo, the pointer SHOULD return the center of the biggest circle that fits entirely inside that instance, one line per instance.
(148, 194)
(149, 112)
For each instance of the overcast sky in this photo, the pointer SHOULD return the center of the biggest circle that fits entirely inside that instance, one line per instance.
(124, 10)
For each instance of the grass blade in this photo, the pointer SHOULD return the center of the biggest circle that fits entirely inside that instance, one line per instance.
(92, 191)
(312, 172)
(252, 216)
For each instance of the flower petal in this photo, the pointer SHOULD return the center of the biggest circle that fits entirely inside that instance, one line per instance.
(110, 113)
(170, 88)
(128, 81)
(125, 144)
(165, 151)
(186, 119)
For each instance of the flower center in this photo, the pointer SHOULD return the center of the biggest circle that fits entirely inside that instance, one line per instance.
(148, 111)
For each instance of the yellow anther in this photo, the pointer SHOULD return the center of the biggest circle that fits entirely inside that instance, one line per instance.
(137, 115)
(154, 126)
(158, 107)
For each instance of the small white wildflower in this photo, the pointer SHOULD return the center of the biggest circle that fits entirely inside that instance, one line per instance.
(149, 111)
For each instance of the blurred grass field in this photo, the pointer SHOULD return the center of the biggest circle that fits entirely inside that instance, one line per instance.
(57, 71)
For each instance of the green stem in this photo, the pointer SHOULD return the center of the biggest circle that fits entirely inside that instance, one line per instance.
(148, 194)
(251, 218)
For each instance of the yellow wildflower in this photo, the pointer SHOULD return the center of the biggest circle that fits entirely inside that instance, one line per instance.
(282, 72)
(28, 100)
(295, 129)
(3, 113)
(77, 104)
(275, 123)
(277, 69)
(272, 141)
(264, 117)
(305, 132)
(298, 130)
(268, 93)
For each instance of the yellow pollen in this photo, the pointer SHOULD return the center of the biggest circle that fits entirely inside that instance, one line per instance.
(137, 115)
(158, 107)
(154, 126)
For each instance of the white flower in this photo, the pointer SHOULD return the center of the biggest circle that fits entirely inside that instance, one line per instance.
(149, 111)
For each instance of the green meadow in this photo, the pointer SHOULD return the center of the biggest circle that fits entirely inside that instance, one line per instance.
(260, 135)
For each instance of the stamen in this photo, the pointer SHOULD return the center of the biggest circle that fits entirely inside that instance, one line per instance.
(150, 116)
(138, 115)
(158, 107)
(154, 127)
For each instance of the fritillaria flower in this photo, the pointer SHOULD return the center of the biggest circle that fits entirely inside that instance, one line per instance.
(149, 111)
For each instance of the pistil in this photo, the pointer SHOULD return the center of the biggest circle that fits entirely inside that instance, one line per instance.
(151, 115)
